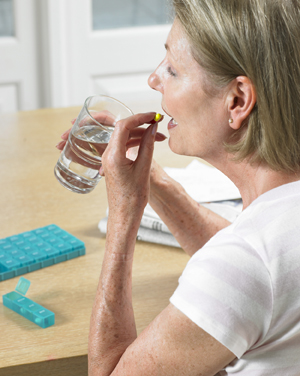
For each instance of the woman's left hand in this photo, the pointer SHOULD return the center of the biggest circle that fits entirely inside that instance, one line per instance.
(127, 181)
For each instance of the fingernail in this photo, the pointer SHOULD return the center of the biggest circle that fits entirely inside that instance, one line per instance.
(65, 133)
(101, 171)
(59, 144)
(73, 121)
(154, 129)
(160, 136)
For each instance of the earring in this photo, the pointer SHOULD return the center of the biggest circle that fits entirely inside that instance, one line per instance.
(230, 121)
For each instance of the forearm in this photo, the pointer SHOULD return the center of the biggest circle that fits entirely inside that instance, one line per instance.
(112, 327)
(190, 223)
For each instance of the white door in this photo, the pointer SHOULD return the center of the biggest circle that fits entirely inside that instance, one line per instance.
(105, 46)
(18, 56)
(55, 53)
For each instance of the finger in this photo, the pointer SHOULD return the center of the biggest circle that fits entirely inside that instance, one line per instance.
(61, 145)
(65, 135)
(138, 133)
(133, 122)
(157, 119)
(101, 171)
(121, 135)
(146, 149)
(159, 137)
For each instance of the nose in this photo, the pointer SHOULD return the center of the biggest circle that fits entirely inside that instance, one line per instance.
(154, 81)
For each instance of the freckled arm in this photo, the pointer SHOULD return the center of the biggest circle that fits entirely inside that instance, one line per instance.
(112, 327)
(112, 322)
(191, 224)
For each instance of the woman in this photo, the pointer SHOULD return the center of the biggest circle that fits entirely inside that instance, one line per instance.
(230, 81)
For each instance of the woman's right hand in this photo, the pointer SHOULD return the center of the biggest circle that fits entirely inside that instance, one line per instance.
(128, 180)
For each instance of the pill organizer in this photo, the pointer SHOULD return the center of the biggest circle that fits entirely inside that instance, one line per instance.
(16, 301)
(36, 249)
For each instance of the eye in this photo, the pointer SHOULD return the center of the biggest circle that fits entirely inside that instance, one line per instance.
(171, 72)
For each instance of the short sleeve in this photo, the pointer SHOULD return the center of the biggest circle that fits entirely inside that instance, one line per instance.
(226, 290)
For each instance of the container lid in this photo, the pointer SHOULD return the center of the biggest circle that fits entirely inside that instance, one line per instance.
(23, 286)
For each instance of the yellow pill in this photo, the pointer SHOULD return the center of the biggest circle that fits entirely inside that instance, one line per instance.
(157, 117)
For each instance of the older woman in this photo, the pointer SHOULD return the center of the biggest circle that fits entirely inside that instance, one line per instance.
(231, 83)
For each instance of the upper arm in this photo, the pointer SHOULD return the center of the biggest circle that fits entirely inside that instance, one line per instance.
(173, 345)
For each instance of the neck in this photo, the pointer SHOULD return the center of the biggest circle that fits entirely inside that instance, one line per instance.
(254, 180)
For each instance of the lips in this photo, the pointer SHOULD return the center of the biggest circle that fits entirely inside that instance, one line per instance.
(172, 123)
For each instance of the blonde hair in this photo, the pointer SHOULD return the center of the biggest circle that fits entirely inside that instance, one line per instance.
(259, 39)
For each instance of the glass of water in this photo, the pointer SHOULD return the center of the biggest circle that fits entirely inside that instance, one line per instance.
(77, 168)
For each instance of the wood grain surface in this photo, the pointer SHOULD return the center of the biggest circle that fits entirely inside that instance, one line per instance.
(30, 197)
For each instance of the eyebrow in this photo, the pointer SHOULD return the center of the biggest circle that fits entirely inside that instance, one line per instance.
(167, 47)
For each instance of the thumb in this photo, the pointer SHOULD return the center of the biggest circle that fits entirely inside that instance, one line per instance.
(146, 149)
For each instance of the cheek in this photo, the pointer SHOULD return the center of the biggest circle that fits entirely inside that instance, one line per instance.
(174, 104)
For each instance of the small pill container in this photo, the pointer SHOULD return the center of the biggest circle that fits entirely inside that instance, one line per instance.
(17, 302)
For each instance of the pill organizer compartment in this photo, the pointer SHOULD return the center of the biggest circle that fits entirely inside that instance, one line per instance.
(36, 249)
(17, 302)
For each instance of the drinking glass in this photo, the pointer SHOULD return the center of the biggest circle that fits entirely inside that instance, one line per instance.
(77, 168)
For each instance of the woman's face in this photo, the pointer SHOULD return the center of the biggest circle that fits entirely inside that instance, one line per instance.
(197, 126)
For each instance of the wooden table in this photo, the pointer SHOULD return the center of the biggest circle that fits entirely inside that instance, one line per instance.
(31, 197)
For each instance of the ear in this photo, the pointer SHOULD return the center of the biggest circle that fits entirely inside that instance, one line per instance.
(241, 100)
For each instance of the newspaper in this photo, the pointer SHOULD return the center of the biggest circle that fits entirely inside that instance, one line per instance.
(147, 235)
(205, 185)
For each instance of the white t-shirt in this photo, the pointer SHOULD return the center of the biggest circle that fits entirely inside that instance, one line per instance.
(243, 286)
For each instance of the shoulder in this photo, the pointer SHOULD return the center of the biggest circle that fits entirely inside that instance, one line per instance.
(269, 226)
(229, 287)
(226, 290)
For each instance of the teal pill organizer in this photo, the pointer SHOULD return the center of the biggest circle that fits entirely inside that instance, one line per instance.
(37, 249)
(25, 307)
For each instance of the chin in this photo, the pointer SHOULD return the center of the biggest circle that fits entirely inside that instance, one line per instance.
(177, 148)
(186, 150)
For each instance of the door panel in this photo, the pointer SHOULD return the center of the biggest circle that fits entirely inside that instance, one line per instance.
(18, 57)
(115, 14)
(6, 18)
